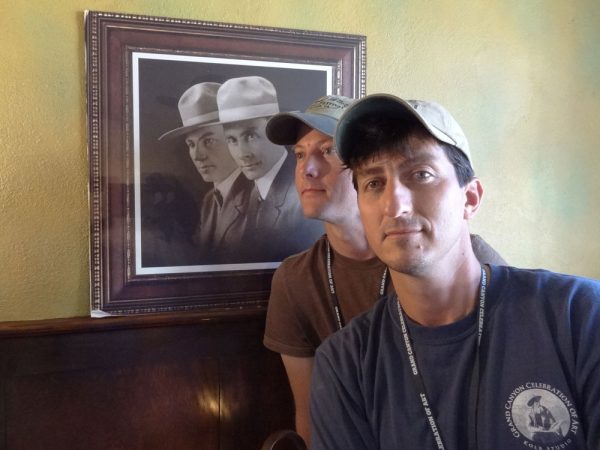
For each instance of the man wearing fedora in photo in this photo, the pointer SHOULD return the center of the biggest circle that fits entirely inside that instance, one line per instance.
(275, 223)
(223, 211)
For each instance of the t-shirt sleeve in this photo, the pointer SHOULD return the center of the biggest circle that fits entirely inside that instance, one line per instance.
(485, 253)
(585, 314)
(283, 330)
(337, 415)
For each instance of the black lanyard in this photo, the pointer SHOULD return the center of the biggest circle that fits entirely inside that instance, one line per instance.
(334, 299)
(474, 389)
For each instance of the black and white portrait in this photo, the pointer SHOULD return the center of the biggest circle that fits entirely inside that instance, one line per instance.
(212, 192)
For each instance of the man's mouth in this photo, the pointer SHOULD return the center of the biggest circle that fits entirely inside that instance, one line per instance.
(312, 190)
(401, 231)
(251, 165)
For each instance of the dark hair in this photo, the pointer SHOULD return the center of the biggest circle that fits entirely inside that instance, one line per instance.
(375, 135)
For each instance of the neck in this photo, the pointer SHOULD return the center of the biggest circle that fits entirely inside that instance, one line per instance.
(348, 239)
(440, 298)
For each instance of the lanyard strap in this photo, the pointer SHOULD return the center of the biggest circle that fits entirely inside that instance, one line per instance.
(334, 298)
(419, 384)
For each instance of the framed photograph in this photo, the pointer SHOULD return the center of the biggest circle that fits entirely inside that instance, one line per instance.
(191, 207)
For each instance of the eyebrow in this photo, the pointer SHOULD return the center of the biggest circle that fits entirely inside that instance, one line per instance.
(235, 132)
(252, 129)
(409, 158)
(319, 142)
(360, 171)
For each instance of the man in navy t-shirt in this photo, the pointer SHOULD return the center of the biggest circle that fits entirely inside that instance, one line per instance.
(461, 356)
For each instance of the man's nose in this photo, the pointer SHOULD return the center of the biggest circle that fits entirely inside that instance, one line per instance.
(397, 199)
(312, 166)
(199, 153)
(245, 150)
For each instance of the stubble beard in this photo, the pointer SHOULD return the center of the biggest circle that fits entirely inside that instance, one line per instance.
(407, 259)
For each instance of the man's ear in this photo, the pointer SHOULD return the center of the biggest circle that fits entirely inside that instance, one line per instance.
(473, 196)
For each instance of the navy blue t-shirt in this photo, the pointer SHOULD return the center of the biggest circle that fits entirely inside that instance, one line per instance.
(539, 382)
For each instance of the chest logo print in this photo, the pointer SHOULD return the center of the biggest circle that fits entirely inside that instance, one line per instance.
(541, 416)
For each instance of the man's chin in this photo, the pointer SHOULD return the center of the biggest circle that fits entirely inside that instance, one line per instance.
(251, 174)
(413, 270)
(312, 213)
(411, 263)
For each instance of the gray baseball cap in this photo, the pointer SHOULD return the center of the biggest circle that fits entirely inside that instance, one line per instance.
(322, 115)
(433, 116)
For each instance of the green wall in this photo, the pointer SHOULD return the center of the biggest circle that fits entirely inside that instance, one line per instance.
(522, 77)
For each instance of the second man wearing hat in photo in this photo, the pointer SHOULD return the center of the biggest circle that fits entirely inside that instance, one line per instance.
(275, 224)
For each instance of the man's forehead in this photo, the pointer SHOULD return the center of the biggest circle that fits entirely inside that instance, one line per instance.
(205, 132)
(306, 132)
(249, 124)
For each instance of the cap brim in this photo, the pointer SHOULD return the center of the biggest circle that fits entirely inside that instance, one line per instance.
(184, 130)
(371, 105)
(282, 128)
(378, 105)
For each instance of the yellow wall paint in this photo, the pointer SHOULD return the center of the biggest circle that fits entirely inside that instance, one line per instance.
(523, 78)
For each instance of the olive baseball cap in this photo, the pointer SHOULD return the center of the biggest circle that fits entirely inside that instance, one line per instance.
(433, 116)
(322, 115)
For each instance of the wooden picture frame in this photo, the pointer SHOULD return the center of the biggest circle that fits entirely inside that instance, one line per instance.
(137, 67)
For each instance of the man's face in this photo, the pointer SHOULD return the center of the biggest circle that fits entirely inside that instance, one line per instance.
(412, 207)
(324, 186)
(210, 154)
(250, 148)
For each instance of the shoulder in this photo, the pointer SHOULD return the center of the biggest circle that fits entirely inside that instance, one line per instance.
(541, 280)
(297, 265)
(306, 257)
(569, 294)
(361, 339)
(484, 252)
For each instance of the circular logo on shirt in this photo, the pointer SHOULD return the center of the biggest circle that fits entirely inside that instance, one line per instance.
(541, 416)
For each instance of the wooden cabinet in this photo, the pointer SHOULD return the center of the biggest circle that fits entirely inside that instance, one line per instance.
(151, 382)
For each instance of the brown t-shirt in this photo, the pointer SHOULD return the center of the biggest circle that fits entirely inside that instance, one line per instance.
(301, 315)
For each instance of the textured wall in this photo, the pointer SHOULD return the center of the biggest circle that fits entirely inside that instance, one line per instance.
(523, 78)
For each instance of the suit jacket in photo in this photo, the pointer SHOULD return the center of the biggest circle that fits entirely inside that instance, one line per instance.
(221, 231)
(276, 225)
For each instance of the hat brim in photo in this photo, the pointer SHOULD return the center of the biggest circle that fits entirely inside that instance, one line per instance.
(534, 399)
(186, 129)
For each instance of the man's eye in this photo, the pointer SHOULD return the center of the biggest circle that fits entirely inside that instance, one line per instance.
(299, 155)
(328, 150)
(190, 144)
(423, 175)
(231, 140)
(209, 142)
(372, 185)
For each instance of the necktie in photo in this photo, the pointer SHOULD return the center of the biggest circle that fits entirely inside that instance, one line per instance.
(218, 197)
(254, 207)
